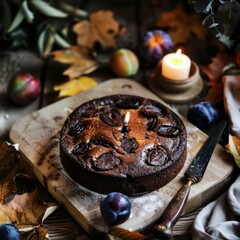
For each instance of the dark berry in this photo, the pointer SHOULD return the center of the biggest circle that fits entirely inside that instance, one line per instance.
(115, 208)
(9, 232)
(106, 162)
(75, 130)
(157, 156)
(129, 145)
(167, 131)
(150, 110)
(202, 114)
(112, 117)
(80, 149)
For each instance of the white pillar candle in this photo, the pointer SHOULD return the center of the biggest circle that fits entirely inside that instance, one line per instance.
(176, 66)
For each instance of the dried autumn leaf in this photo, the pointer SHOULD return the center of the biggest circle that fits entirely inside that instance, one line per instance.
(11, 168)
(9, 162)
(117, 233)
(25, 211)
(233, 147)
(39, 233)
(80, 58)
(9, 159)
(101, 28)
(214, 72)
(7, 187)
(181, 25)
(75, 86)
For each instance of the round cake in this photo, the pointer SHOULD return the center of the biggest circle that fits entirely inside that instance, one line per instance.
(123, 143)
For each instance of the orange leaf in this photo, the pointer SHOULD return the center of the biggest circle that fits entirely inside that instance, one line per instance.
(80, 59)
(24, 211)
(181, 25)
(101, 28)
(214, 73)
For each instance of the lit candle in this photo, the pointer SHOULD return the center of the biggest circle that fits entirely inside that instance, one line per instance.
(176, 66)
(125, 128)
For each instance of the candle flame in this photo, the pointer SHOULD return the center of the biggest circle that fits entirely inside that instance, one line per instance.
(178, 54)
(127, 118)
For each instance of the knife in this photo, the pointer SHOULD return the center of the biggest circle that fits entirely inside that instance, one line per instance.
(193, 174)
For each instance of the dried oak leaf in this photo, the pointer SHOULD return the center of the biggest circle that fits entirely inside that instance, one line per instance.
(9, 162)
(26, 211)
(7, 187)
(11, 167)
(181, 25)
(101, 28)
(214, 73)
(9, 159)
(75, 86)
(80, 58)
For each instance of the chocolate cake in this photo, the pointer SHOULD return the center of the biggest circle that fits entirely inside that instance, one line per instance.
(104, 151)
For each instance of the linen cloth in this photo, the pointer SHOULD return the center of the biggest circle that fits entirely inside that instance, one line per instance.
(220, 219)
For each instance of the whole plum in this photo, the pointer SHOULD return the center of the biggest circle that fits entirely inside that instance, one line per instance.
(154, 45)
(9, 232)
(24, 89)
(202, 114)
(124, 63)
(115, 208)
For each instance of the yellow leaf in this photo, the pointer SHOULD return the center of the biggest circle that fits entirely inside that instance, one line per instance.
(75, 86)
(233, 147)
(81, 60)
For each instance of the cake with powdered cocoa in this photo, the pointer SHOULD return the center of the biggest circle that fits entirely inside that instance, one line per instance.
(123, 143)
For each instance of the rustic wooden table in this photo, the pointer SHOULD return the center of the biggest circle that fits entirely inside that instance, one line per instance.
(137, 16)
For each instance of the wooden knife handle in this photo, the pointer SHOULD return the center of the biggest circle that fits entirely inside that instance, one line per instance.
(163, 230)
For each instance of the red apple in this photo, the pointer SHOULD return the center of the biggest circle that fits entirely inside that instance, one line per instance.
(24, 89)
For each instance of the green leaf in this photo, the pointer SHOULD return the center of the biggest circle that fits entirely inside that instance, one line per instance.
(73, 11)
(61, 41)
(49, 43)
(41, 40)
(226, 40)
(27, 12)
(47, 10)
(6, 16)
(46, 40)
(17, 20)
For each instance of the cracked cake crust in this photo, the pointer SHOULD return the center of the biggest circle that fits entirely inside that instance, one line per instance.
(101, 154)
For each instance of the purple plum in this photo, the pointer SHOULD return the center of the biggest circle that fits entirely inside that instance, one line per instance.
(115, 208)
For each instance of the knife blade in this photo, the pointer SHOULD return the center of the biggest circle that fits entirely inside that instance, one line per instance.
(193, 174)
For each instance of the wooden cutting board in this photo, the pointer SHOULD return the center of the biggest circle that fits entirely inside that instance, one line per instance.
(38, 137)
